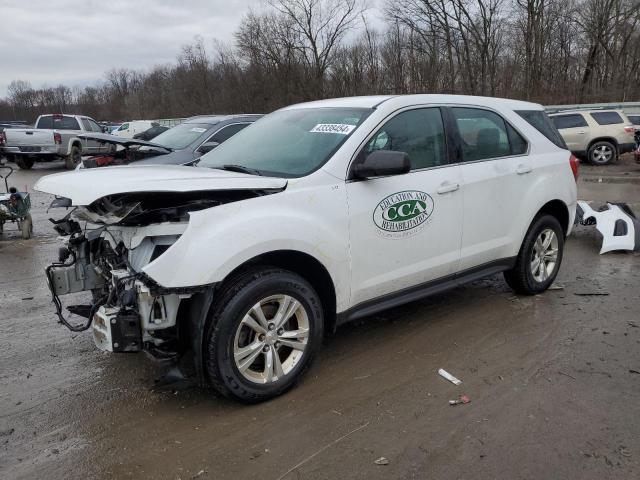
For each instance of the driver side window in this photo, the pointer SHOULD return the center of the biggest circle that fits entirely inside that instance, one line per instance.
(419, 133)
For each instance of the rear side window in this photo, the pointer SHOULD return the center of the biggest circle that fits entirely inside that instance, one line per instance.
(569, 121)
(59, 122)
(484, 134)
(607, 118)
(635, 119)
(540, 121)
(419, 133)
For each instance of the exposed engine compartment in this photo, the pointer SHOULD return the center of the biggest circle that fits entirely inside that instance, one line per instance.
(107, 244)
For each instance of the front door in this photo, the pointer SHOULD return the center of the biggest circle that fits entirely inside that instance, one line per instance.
(405, 230)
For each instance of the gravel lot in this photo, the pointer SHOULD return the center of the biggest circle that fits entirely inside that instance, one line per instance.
(553, 379)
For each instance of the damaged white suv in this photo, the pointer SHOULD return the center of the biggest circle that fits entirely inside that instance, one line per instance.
(317, 214)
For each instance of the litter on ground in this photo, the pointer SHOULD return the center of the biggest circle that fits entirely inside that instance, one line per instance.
(444, 374)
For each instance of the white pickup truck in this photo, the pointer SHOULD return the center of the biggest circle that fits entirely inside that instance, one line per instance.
(55, 136)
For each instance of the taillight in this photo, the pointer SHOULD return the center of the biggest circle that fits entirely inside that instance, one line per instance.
(575, 164)
(630, 129)
(3, 138)
(57, 138)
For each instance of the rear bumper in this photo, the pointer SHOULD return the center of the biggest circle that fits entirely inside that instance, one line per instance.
(28, 150)
(626, 147)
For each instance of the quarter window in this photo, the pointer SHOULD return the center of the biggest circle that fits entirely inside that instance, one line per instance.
(484, 135)
(607, 118)
(635, 119)
(569, 121)
(419, 133)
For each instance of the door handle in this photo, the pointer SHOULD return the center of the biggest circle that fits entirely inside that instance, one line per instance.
(447, 187)
(582, 132)
(522, 169)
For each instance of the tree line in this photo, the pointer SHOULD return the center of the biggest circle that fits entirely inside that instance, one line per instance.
(547, 51)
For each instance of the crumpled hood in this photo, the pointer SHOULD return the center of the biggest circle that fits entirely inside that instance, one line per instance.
(85, 186)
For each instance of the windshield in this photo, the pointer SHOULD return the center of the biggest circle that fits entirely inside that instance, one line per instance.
(288, 143)
(181, 136)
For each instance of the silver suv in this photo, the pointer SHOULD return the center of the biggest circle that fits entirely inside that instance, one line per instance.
(598, 135)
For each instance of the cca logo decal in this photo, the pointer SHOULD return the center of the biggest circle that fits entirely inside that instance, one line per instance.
(403, 211)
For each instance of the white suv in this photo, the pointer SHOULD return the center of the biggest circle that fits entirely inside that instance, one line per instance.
(598, 135)
(317, 214)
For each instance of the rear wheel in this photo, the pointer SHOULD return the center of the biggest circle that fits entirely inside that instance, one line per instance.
(602, 153)
(539, 258)
(74, 158)
(24, 163)
(263, 334)
(26, 227)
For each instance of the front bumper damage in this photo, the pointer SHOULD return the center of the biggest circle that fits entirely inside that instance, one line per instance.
(127, 311)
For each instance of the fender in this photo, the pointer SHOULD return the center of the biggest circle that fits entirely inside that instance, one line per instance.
(222, 238)
(538, 195)
(71, 141)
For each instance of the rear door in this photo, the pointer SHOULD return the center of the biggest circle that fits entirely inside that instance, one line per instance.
(98, 146)
(574, 129)
(405, 230)
(496, 169)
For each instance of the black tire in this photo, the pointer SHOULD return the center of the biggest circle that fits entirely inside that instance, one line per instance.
(24, 163)
(26, 227)
(74, 158)
(235, 299)
(521, 278)
(602, 153)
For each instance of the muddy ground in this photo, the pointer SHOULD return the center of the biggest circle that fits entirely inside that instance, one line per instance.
(554, 383)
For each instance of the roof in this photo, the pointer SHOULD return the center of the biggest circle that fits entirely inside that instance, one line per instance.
(213, 119)
(399, 100)
(580, 110)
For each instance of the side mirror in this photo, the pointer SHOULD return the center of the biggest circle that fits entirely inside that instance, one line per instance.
(207, 147)
(382, 163)
(104, 129)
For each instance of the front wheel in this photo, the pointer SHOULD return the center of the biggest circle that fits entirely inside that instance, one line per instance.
(602, 153)
(263, 333)
(539, 258)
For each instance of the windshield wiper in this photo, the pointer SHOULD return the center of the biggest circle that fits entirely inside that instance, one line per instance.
(241, 169)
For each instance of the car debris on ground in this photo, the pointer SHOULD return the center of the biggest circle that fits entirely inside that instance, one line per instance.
(616, 222)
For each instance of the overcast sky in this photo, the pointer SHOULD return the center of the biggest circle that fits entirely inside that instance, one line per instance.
(74, 42)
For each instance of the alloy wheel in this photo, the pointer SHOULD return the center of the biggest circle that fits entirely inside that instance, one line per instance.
(544, 255)
(271, 339)
(602, 154)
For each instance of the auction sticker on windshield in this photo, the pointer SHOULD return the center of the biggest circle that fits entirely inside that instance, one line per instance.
(341, 128)
(198, 129)
(403, 213)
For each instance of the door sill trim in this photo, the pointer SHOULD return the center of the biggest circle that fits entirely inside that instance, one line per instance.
(417, 292)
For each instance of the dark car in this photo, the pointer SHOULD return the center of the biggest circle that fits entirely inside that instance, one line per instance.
(180, 145)
(151, 133)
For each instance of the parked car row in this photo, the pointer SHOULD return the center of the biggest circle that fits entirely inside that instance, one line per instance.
(181, 145)
(72, 137)
(597, 135)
